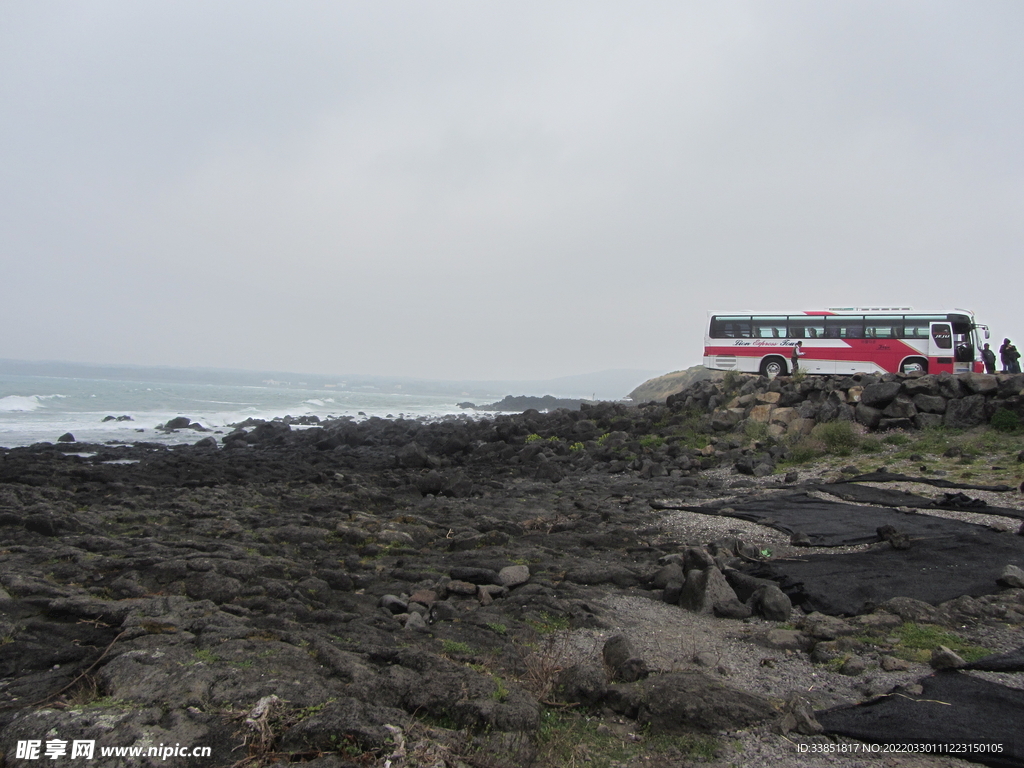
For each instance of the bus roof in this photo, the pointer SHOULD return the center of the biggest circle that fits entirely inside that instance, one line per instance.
(847, 311)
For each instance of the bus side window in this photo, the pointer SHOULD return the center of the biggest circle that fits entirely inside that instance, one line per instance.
(813, 332)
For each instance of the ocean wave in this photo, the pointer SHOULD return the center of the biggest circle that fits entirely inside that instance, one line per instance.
(15, 403)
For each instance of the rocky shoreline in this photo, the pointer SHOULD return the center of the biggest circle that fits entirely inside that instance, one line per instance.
(460, 593)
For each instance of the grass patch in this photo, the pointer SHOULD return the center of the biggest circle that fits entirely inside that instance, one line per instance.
(546, 623)
(204, 656)
(896, 438)
(454, 647)
(571, 740)
(500, 692)
(917, 641)
(871, 445)
(652, 441)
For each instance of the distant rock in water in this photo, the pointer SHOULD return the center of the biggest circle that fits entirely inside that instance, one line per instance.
(117, 418)
(523, 402)
(67, 437)
(182, 422)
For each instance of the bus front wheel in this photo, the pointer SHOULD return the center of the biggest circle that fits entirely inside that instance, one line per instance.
(914, 365)
(773, 366)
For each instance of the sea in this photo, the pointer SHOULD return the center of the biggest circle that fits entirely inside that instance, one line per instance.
(38, 409)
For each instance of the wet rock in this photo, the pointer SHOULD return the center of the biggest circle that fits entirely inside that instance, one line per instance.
(772, 603)
(584, 683)
(798, 715)
(512, 576)
(625, 666)
(706, 591)
(823, 627)
(1012, 576)
(686, 702)
(945, 658)
(909, 609)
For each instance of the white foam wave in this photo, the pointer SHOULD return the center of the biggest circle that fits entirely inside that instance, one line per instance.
(16, 403)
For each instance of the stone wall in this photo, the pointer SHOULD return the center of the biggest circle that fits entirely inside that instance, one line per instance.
(791, 405)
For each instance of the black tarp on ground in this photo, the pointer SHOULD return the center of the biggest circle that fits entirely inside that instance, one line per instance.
(953, 709)
(866, 494)
(938, 482)
(1011, 661)
(933, 570)
(946, 558)
(832, 524)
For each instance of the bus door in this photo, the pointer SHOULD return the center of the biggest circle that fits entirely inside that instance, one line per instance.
(940, 347)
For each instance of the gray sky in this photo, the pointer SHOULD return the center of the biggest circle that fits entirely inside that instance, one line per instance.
(495, 190)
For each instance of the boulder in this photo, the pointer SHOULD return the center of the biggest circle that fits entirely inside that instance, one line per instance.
(513, 575)
(688, 702)
(965, 412)
(946, 658)
(921, 385)
(929, 403)
(881, 394)
(867, 415)
(902, 407)
(625, 665)
(585, 683)
(412, 455)
(706, 590)
(950, 386)
(928, 420)
(723, 421)
(772, 603)
(980, 383)
(1012, 576)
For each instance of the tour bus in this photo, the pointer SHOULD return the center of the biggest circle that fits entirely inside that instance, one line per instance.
(844, 340)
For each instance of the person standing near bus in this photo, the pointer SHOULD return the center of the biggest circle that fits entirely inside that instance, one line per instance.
(798, 352)
(989, 357)
(1004, 359)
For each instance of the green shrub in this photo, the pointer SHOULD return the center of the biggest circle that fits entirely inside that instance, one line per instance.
(871, 445)
(805, 449)
(756, 431)
(838, 437)
(533, 438)
(1005, 420)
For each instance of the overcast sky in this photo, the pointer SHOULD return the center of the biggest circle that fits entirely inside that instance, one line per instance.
(485, 190)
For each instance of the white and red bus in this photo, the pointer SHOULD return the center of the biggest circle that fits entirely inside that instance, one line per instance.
(844, 340)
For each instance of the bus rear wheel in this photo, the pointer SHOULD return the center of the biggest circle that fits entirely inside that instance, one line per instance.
(773, 366)
(913, 365)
